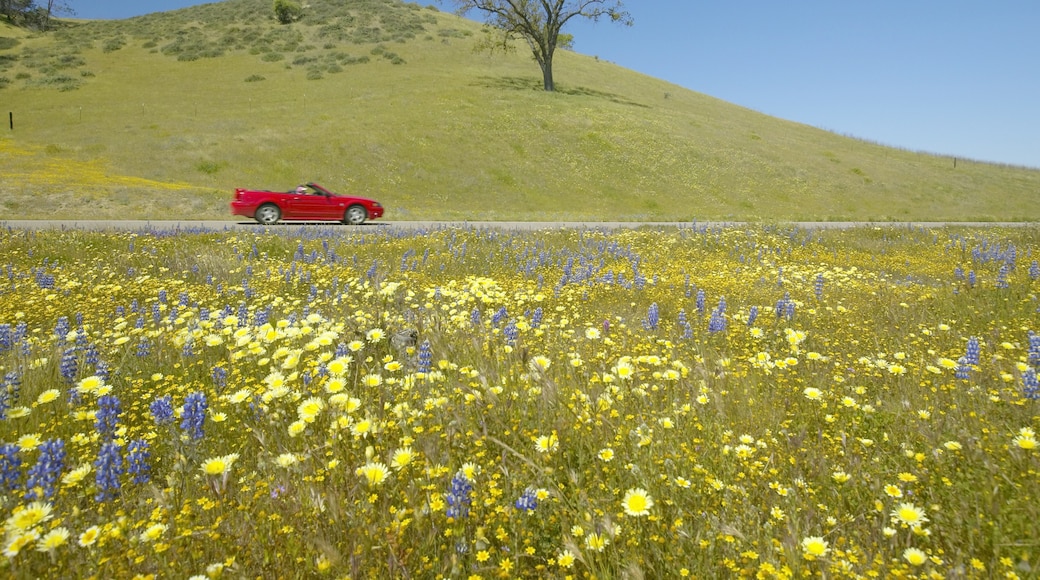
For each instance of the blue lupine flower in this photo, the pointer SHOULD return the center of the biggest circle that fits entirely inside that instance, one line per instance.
(44, 280)
(459, 496)
(1034, 348)
(639, 280)
(162, 410)
(194, 414)
(653, 317)
(243, 313)
(107, 418)
(61, 329)
(699, 302)
(69, 365)
(752, 315)
(101, 370)
(971, 357)
(425, 357)
(785, 307)
(499, 316)
(107, 468)
(144, 348)
(1034, 270)
(91, 356)
(7, 395)
(474, 317)
(1002, 281)
(818, 287)
(262, 316)
(137, 457)
(682, 318)
(528, 501)
(958, 273)
(971, 279)
(1030, 385)
(219, 377)
(6, 337)
(44, 474)
(717, 322)
(536, 317)
(963, 370)
(687, 331)
(511, 332)
(10, 466)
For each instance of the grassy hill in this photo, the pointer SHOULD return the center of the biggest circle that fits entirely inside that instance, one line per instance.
(162, 116)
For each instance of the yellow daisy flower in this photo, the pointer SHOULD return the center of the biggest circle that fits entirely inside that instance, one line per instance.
(637, 502)
(814, 547)
(375, 473)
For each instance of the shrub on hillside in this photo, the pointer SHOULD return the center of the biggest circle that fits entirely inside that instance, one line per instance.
(287, 11)
(113, 44)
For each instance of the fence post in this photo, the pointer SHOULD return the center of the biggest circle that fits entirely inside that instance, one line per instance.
(10, 116)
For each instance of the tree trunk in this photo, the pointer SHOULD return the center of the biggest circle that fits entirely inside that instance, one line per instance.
(547, 76)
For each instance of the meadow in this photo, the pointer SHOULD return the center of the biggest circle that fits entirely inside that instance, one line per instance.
(766, 402)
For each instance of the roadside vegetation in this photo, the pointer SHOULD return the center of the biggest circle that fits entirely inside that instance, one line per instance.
(764, 401)
(389, 100)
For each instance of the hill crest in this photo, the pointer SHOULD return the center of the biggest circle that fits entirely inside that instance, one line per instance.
(389, 99)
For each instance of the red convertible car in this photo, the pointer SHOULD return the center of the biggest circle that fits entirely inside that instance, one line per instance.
(310, 202)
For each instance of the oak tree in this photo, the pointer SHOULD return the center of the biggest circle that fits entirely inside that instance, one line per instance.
(539, 22)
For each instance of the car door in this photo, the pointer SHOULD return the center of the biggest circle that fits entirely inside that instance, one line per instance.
(332, 207)
(309, 207)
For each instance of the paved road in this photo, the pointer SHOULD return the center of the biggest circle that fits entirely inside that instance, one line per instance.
(217, 225)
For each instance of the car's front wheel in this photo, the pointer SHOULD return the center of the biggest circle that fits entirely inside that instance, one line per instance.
(268, 214)
(355, 216)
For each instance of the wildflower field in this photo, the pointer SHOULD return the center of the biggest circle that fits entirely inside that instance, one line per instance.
(758, 401)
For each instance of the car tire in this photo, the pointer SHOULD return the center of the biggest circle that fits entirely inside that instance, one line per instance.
(268, 214)
(355, 215)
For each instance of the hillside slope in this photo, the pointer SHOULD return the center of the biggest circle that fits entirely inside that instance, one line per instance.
(162, 116)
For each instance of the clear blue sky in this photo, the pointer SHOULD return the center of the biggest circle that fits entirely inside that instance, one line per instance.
(955, 77)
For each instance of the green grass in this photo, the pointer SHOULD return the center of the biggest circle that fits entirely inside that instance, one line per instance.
(389, 100)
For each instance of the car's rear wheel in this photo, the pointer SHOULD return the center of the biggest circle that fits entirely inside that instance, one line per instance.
(268, 214)
(355, 216)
